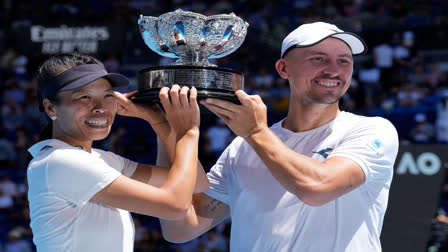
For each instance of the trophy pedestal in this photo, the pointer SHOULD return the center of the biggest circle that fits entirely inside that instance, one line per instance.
(211, 82)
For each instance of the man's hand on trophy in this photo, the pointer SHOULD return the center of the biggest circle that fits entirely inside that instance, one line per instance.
(150, 112)
(244, 120)
(181, 108)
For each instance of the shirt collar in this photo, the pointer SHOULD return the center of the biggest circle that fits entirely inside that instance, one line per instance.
(55, 143)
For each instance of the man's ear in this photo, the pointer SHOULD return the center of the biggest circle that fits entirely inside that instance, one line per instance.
(280, 66)
(49, 108)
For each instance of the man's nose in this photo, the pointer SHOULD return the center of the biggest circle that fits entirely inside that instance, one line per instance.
(332, 69)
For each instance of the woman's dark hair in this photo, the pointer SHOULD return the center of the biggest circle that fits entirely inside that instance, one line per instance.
(51, 68)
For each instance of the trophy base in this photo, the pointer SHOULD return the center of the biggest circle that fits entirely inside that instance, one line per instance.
(152, 96)
(210, 81)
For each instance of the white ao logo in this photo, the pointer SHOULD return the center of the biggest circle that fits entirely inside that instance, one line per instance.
(427, 163)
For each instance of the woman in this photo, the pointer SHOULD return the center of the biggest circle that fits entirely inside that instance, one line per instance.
(80, 196)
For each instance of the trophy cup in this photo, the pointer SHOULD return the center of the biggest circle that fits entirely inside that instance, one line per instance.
(192, 38)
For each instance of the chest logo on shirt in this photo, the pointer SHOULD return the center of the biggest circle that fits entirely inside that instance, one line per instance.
(324, 152)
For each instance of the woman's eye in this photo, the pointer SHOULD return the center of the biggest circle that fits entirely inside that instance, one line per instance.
(110, 95)
(84, 97)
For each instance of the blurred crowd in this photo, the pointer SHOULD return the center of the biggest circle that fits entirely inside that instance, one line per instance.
(403, 77)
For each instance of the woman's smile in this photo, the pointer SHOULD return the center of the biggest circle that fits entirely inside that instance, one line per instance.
(98, 122)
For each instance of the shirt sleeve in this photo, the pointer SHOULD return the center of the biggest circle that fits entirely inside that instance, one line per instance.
(125, 166)
(76, 175)
(220, 174)
(373, 145)
(128, 167)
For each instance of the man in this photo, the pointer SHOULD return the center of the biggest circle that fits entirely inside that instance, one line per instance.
(316, 181)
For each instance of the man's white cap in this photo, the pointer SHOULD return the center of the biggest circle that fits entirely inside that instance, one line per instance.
(311, 34)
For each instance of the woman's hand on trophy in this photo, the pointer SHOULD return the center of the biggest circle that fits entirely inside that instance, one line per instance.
(244, 120)
(150, 112)
(181, 108)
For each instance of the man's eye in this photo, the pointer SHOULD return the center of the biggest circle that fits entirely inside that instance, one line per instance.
(84, 97)
(317, 59)
(110, 95)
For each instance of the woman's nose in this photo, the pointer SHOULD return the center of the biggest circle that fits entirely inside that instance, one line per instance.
(99, 106)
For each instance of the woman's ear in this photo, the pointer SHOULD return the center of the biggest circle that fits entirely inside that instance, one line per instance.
(280, 66)
(49, 108)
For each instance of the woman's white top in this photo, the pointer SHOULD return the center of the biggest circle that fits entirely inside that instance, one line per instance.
(62, 180)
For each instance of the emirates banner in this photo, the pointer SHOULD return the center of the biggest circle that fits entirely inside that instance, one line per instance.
(88, 39)
(414, 197)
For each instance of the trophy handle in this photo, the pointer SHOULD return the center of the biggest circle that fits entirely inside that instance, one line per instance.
(149, 30)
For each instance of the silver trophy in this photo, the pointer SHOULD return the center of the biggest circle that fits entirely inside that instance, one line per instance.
(192, 38)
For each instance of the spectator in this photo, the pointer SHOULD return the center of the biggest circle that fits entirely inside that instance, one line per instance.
(405, 55)
(112, 63)
(215, 242)
(117, 141)
(7, 60)
(22, 144)
(353, 99)
(22, 188)
(417, 75)
(31, 111)
(442, 118)
(12, 117)
(263, 78)
(6, 202)
(14, 92)
(383, 58)
(409, 95)
(369, 79)
(16, 243)
(8, 186)
(7, 151)
(141, 235)
(20, 68)
(438, 241)
(219, 136)
(423, 131)
(435, 76)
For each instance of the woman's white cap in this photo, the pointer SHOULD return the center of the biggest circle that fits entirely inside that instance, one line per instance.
(311, 34)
